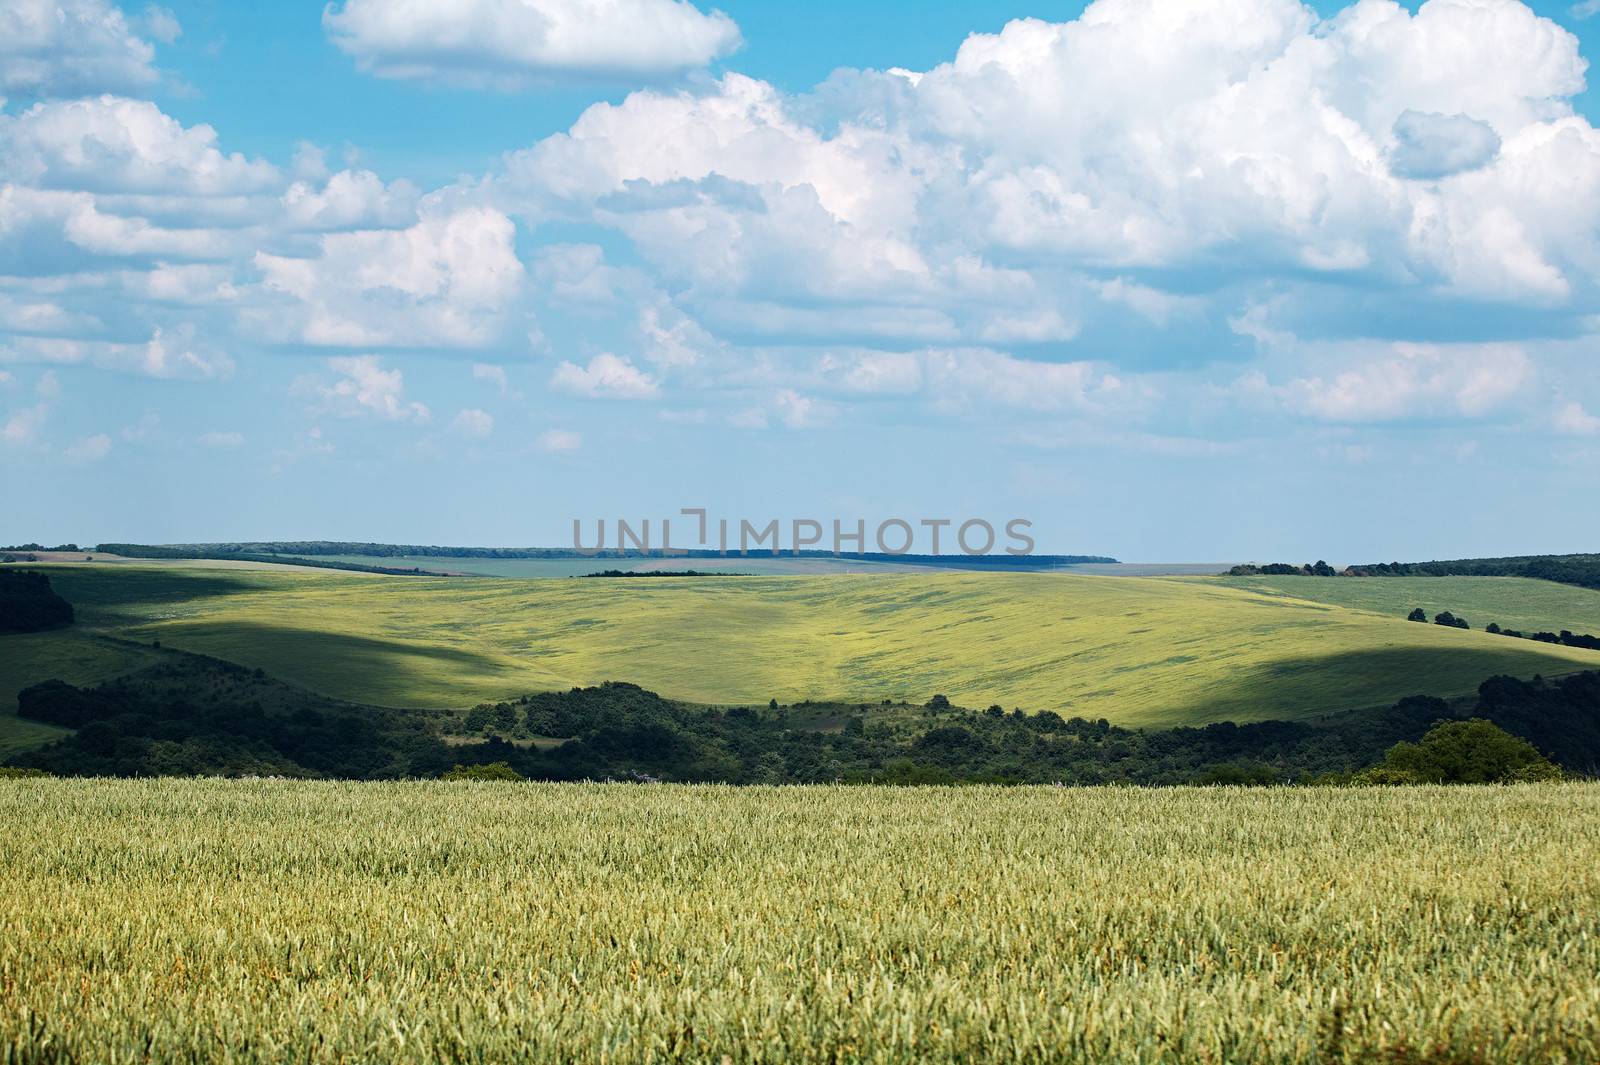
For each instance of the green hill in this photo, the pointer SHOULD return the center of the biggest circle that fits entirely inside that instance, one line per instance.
(1137, 651)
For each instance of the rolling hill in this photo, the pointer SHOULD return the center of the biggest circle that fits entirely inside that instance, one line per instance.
(1137, 651)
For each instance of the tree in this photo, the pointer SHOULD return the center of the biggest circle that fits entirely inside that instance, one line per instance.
(1418, 615)
(1466, 752)
(938, 702)
(1450, 621)
(1493, 628)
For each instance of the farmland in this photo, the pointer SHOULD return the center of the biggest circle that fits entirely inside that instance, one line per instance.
(1137, 651)
(1513, 602)
(417, 922)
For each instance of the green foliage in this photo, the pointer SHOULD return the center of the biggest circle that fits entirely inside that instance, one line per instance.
(1450, 621)
(1465, 752)
(1418, 614)
(493, 771)
(11, 772)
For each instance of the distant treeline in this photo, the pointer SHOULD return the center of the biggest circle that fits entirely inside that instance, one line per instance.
(219, 553)
(1581, 570)
(29, 604)
(192, 715)
(330, 547)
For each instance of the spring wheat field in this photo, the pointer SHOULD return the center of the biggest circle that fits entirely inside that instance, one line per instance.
(1137, 651)
(270, 920)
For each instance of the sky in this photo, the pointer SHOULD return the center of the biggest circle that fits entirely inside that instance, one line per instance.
(1174, 280)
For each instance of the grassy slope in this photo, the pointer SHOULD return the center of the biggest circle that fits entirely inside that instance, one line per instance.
(71, 655)
(1514, 602)
(1136, 651)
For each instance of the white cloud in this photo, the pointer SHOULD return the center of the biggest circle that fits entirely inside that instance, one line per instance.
(495, 375)
(959, 378)
(473, 424)
(559, 441)
(442, 282)
(160, 23)
(364, 387)
(511, 44)
(89, 449)
(22, 427)
(174, 353)
(112, 145)
(221, 440)
(606, 376)
(1573, 420)
(1585, 9)
(72, 47)
(351, 199)
(1402, 380)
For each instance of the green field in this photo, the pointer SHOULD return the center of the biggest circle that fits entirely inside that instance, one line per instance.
(321, 922)
(1513, 602)
(1138, 651)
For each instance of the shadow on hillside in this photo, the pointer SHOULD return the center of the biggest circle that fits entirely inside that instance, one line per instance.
(106, 591)
(1306, 688)
(361, 669)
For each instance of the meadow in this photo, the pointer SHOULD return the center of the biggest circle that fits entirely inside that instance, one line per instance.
(1137, 651)
(1512, 602)
(269, 920)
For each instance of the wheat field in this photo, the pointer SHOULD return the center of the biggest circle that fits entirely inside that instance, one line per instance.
(190, 920)
(1137, 651)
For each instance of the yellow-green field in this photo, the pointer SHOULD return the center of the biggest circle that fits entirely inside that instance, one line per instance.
(1512, 602)
(320, 922)
(1138, 651)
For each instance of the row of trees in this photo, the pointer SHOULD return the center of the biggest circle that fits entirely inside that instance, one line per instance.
(190, 715)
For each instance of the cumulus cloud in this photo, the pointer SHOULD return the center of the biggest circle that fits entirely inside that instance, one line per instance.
(73, 47)
(1140, 141)
(108, 144)
(1573, 420)
(89, 449)
(1403, 380)
(495, 375)
(22, 427)
(512, 44)
(174, 353)
(442, 282)
(606, 376)
(559, 441)
(473, 424)
(364, 388)
(351, 199)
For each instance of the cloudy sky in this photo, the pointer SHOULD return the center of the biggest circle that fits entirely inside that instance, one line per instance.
(1174, 279)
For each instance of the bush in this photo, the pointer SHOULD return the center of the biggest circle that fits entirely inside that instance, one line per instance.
(1463, 752)
(1418, 615)
(492, 771)
(1450, 621)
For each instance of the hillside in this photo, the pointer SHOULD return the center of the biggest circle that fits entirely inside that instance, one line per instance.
(1512, 602)
(1135, 651)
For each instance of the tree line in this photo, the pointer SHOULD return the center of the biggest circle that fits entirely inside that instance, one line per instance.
(190, 715)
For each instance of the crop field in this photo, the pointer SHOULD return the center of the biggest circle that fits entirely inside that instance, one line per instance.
(272, 920)
(1137, 651)
(1513, 602)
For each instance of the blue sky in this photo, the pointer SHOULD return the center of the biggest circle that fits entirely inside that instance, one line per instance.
(1184, 281)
